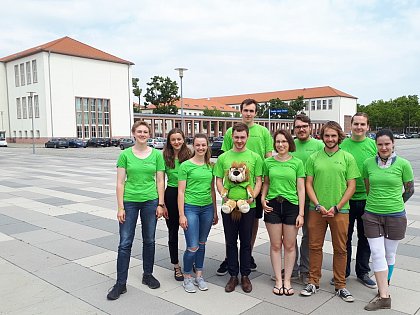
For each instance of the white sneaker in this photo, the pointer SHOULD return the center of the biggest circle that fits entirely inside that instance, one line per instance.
(188, 285)
(309, 290)
(201, 284)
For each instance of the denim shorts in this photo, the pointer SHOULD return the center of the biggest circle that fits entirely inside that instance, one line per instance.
(283, 212)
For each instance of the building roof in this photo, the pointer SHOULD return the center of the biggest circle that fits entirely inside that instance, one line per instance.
(68, 46)
(287, 95)
(200, 104)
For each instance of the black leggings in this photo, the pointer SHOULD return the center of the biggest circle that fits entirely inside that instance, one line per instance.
(171, 202)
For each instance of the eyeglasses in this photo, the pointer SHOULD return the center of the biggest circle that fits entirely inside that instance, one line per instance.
(302, 127)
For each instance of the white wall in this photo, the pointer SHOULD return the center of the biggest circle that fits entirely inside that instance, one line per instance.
(4, 124)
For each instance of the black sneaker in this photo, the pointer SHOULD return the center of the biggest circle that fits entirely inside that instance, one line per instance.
(150, 281)
(253, 264)
(223, 268)
(344, 294)
(367, 281)
(115, 292)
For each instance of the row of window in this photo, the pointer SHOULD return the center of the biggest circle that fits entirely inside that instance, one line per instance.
(320, 105)
(29, 76)
(26, 107)
(92, 117)
(26, 134)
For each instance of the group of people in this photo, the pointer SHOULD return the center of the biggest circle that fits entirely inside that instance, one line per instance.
(337, 182)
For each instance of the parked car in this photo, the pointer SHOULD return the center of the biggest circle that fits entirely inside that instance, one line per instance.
(57, 143)
(415, 135)
(77, 143)
(126, 143)
(96, 142)
(216, 148)
(402, 136)
(3, 142)
(115, 142)
(157, 143)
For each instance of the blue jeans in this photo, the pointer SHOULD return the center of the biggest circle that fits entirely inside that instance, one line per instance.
(148, 219)
(200, 220)
(357, 209)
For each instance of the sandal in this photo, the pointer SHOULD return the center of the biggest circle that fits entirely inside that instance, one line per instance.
(178, 274)
(279, 290)
(288, 291)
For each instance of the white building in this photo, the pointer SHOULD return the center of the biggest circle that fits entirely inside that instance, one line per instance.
(66, 89)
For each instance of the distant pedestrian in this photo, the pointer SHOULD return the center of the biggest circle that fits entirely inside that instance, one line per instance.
(385, 219)
(175, 153)
(140, 190)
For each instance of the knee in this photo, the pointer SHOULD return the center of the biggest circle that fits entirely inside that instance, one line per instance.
(275, 247)
(125, 245)
(289, 247)
(192, 249)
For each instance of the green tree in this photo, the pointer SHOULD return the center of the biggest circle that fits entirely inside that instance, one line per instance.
(163, 93)
(136, 89)
(296, 107)
(215, 113)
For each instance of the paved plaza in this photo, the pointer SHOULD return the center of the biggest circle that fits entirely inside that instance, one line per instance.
(59, 239)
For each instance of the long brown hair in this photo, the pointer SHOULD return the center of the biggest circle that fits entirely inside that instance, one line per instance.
(208, 152)
(169, 153)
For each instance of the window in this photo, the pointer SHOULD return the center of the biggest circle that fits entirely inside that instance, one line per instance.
(330, 104)
(306, 105)
(28, 72)
(318, 104)
(100, 131)
(30, 109)
(26, 134)
(87, 131)
(36, 105)
(106, 132)
(24, 108)
(18, 108)
(22, 74)
(79, 132)
(34, 72)
(92, 117)
(324, 104)
(20, 134)
(38, 134)
(93, 131)
(312, 105)
(17, 75)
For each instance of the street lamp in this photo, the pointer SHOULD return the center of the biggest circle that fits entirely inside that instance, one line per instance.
(181, 75)
(31, 94)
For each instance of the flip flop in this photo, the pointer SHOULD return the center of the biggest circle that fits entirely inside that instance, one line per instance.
(288, 291)
(279, 290)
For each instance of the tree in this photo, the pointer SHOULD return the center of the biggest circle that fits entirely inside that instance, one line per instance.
(136, 89)
(163, 93)
(215, 113)
(296, 106)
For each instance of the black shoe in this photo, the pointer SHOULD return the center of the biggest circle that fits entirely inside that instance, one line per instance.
(223, 269)
(116, 291)
(150, 281)
(253, 264)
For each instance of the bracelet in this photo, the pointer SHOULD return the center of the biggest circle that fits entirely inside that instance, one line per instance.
(121, 209)
(161, 205)
(301, 215)
(336, 209)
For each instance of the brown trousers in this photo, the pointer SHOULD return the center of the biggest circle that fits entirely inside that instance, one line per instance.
(317, 226)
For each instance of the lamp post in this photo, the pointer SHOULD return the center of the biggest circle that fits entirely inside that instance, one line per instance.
(181, 75)
(31, 95)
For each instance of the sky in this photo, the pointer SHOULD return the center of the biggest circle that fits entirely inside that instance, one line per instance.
(367, 48)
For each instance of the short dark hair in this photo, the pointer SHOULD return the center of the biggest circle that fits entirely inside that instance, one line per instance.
(240, 126)
(335, 126)
(362, 114)
(289, 138)
(249, 101)
(303, 118)
(385, 132)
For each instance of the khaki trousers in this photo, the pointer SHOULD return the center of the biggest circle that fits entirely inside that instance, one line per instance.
(317, 226)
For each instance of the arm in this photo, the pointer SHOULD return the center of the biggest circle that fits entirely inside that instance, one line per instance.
(181, 202)
(367, 185)
(121, 175)
(408, 190)
(219, 187)
(160, 183)
(257, 187)
(264, 192)
(351, 188)
(213, 197)
(300, 183)
(269, 154)
(311, 193)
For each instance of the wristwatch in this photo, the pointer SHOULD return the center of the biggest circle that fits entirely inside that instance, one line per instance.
(161, 205)
(318, 208)
(335, 210)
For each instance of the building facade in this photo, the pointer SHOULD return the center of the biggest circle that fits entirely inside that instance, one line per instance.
(65, 88)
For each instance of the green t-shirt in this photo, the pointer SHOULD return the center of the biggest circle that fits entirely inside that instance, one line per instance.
(259, 140)
(361, 150)
(172, 174)
(253, 162)
(198, 183)
(283, 176)
(305, 148)
(140, 183)
(330, 175)
(386, 184)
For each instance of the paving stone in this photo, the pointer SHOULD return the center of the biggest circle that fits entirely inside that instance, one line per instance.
(5, 220)
(268, 308)
(16, 228)
(56, 201)
(38, 236)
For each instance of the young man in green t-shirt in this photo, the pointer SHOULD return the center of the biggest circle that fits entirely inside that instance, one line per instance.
(260, 142)
(330, 182)
(362, 148)
(242, 227)
(305, 146)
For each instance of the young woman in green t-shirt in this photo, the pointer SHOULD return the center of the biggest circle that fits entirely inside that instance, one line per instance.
(385, 219)
(175, 152)
(197, 210)
(283, 201)
(140, 191)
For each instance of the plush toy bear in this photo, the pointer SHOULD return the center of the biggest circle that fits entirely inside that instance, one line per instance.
(237, 189)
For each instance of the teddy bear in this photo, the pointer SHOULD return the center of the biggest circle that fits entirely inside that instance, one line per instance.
(237, 189)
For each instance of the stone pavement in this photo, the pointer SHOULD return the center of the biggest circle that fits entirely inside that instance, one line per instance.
(59, 237)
